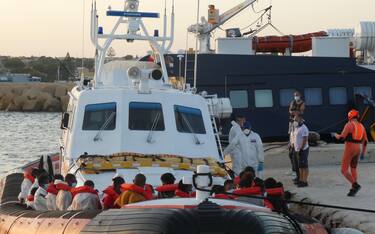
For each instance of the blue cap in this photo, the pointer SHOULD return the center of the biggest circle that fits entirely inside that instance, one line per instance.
(247, 125)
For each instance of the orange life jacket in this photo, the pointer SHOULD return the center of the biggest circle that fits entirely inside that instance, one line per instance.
(167, 188)
(222, 196)
(62, 186)
(110, 198)
(52, 189)
(30, 198)
(182, 194)
(248, 191)
(274, 192)
(28, 176)
(83, 189)
(356, 135)
(146, 192)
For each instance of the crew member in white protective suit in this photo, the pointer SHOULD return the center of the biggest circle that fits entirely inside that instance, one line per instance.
(40, 201)
(251, 151)
(235, 152)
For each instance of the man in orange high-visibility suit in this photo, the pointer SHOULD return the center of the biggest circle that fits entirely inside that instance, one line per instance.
(354, 134)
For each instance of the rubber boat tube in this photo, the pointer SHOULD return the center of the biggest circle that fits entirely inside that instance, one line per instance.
(167, 219)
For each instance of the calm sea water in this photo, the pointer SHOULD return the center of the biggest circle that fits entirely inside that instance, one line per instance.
(26, 136)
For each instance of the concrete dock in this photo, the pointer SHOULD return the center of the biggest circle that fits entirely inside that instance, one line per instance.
(328, 186)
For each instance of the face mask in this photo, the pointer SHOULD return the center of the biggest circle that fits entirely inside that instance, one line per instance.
(297, 98)
(295, 124)
(246, 131)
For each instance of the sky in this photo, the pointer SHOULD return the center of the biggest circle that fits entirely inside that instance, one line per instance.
(55, 27)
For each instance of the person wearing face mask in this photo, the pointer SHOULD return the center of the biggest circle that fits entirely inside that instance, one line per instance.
(235, 152)
(300, 136)
(64, 196)
(40, 201)
(296, 107)
(250, 148)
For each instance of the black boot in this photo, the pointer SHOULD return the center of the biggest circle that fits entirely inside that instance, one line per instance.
(354, 190)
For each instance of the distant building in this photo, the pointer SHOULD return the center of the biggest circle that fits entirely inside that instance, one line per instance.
(19, 78)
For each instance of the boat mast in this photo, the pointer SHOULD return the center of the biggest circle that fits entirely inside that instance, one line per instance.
(136, 30)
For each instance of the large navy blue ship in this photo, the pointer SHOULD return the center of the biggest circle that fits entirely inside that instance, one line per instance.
(260, 74)
(261, 88)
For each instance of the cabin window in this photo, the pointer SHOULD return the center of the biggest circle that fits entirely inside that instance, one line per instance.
(338, 96)
(363, 90)
(146, 116)
(100, 116)
(313, 96)
(263, 98)
(286, 96)
(239, 99)
(189, 120)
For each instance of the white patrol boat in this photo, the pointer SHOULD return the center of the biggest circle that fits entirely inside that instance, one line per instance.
(131, 118)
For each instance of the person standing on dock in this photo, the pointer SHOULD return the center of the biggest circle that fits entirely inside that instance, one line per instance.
(354, 134)
(250, 151)
(296, 107)
(299, 136)
(235, 153)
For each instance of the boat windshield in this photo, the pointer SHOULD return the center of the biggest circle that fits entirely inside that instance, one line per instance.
(144, 116)
(96, 116)
(189, 120)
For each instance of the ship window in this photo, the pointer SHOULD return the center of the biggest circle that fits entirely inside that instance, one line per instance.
(286, 96)
(263, 98)
(238, 98)
(100, 116)
(313, 96)
(338, 96)
(144, 116)
(363, 90)
(189, 120)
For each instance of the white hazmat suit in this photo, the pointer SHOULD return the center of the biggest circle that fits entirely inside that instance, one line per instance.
(248, 150)
(40, 201)
(235, 152)
(25, 189)
(85, 201)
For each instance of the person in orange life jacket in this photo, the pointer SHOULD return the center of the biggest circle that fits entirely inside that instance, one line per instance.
(30, 199)
(218, 192)
(64, 196)
(85, 197)
(246, 187)
(301, 146)
(275, 195)
(40, 201)
(52, 192)
(134, 192)
(111, 193)
(184, 190)
(354, 134)
(29, 181)
(237, 179)
(168, 187)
